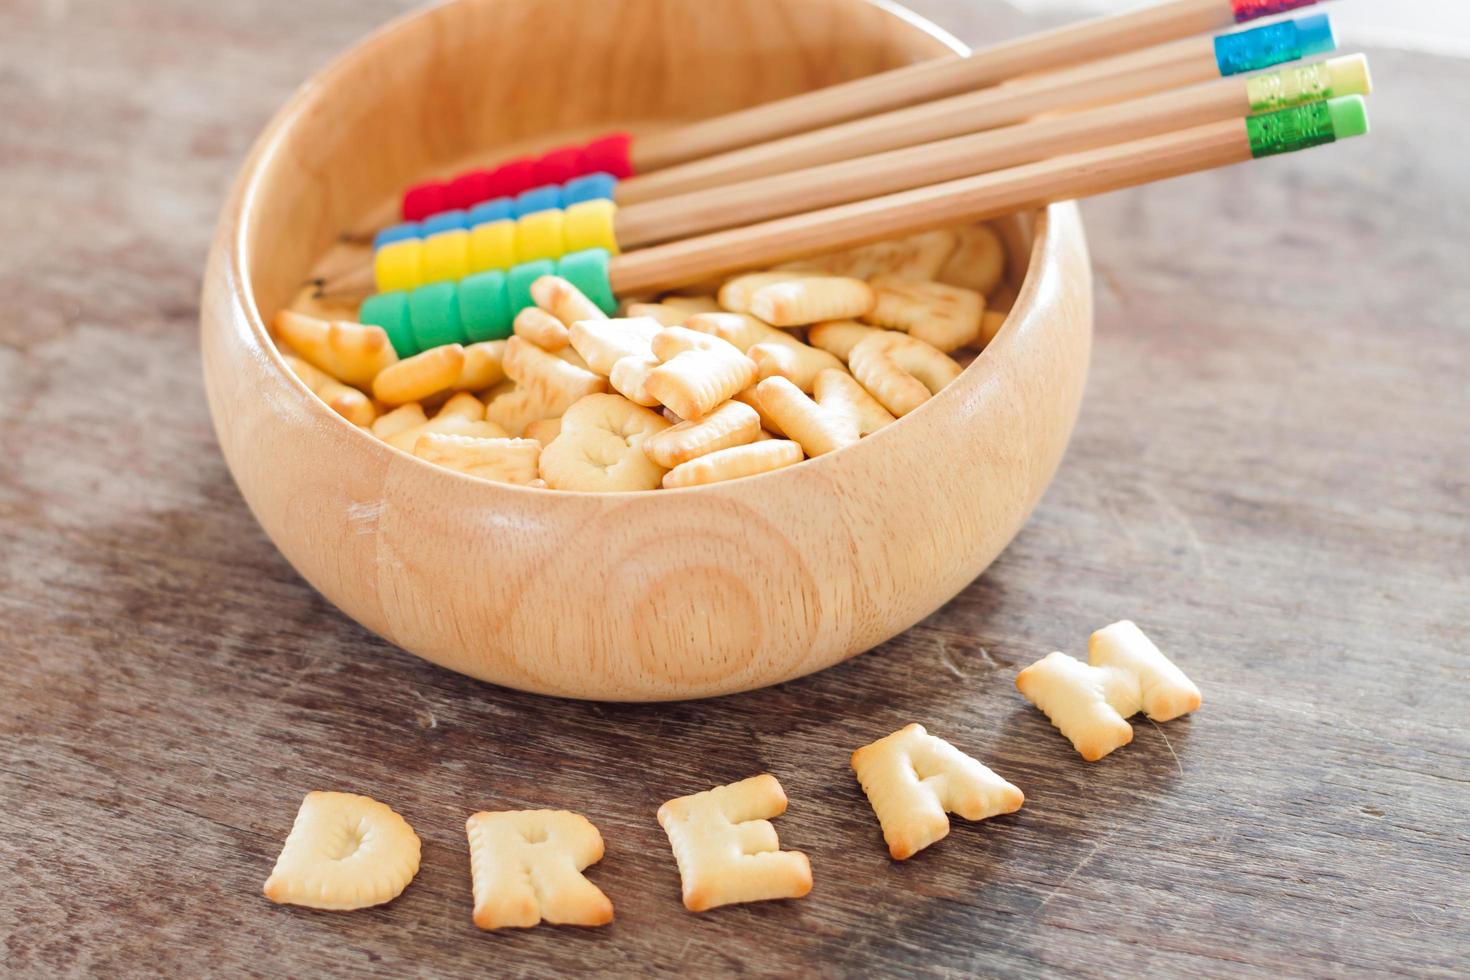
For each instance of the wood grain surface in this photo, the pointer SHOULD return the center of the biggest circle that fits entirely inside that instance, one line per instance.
(1271, 474)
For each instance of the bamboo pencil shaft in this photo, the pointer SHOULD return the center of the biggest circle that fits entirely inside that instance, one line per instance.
(638, 226)
(666, 219)
(1155, 69)
(1084, 41)
(954, 202)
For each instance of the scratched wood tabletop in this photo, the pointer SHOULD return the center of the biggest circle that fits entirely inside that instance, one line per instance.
(1271, 475)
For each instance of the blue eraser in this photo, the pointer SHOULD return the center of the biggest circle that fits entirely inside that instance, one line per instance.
(1273, 44)
(588, 187)
(546, 198)
(445, 221)
(397, 233)
(1315, 35)
(497, 209)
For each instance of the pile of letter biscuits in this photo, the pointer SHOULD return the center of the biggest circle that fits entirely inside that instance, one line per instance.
(773, 368)
(349, 852)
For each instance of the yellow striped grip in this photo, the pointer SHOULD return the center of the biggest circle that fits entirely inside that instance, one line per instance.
(452, 255)
(447, 256)
(399, 265)
(589, 224)
(493, 246)
(538, 236)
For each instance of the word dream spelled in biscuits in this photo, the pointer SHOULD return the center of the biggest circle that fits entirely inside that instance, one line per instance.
(526, 866)
(785, 365)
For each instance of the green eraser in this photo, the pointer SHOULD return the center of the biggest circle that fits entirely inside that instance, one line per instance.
(1349, 76)
(1349, 116)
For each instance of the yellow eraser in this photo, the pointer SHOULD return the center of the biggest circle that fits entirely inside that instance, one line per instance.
(1349, 76)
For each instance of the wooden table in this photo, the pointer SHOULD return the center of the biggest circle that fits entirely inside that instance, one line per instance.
(1272, 475)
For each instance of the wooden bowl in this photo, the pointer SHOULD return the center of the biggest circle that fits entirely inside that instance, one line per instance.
(645, 596)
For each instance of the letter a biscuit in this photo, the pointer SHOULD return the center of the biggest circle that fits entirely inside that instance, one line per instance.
(913, 778)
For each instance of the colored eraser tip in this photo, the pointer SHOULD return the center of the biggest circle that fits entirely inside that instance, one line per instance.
(1315, 35)
(1349, 115)
(1350, 76)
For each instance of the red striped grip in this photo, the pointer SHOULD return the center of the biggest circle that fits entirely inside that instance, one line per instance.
(607, 154)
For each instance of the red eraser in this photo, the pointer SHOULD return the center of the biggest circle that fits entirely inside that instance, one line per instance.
(422, 200)
(467, 190)
(512, 177)
(1248, 10)
(610, 154)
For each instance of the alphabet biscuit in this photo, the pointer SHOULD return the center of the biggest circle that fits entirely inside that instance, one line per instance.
(464, 405)
(401, 419)
(420, 376)
(602, 343)
(978, 261)
(483, 366)
(732, 424)
(564, 301)
(726, 848)
(546, 386)
(600, 447)
(736, 294)
(450, 425)
(347, 402)
(913, 778)
(697, 372)
(841, 412)
(499, 460)
(543, 430)
(540, 328)
(526, 867)
(839, 337)
(760, 456)
(901, 371)
(768, 424)
(811, 300)
(1090, 703)
(344, 852)
(353, 353)
(667, 316)
(775, 352)
(947, 317)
